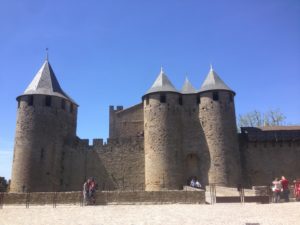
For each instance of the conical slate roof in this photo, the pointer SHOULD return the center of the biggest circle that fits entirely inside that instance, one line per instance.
(187, 87)
(213, 82)
(45, 83)
(162, 84)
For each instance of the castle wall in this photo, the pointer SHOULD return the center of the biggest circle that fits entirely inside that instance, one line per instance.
(126, 122)
(159, 144)
(119, 164)
(163, 142)
(196, 161)
(268, 156)
(41, 133)
(219, 124)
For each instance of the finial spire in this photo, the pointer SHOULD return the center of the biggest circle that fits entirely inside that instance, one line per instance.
(47, 55)
(211, 67)
(186, 77)
(187, 87)
(161, 69)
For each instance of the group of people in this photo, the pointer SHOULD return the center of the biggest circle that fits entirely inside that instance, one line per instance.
(89, 190)
(280, 189)
(195, 183)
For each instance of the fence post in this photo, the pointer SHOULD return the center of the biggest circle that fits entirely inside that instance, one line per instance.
(1, 199)
(242, 195)
(54, 199)
(81, 199)
(27, 199)
(215, 193)
(270, 194)
(212, 190)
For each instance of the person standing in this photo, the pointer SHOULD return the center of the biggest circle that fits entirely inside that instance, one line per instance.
(197, 184)
(193, 182)
(276, 190)
(85, 192)
(285, 188)
(92, 191)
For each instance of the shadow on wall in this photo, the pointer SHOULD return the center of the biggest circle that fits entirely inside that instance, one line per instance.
(197, 159)
(83, 164)
(205, 160)
(95, 168)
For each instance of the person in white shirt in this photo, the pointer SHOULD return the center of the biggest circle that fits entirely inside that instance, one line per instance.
(276, 188)
(193, 183)
(197, 184)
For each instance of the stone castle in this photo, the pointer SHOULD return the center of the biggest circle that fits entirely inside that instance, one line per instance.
(158, 144)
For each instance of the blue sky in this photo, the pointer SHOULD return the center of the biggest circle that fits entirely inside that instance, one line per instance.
(109, 53)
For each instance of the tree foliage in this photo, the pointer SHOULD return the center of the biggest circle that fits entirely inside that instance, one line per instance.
(259, 119)
(3, 184)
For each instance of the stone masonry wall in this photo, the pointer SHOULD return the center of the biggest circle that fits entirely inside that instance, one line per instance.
(119, 164)
(196, 160)
(41, 133)
(126, 122)
(263, 161)
(218, 121)
(107, 197)
(163, 142)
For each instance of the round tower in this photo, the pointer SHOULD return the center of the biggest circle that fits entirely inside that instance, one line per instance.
(46, 121)
(217, 117)
(163, 138)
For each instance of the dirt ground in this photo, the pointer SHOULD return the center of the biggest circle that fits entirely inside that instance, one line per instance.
(233, 213)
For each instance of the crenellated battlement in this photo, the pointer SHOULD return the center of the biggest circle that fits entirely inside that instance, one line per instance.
(256, 134)
(115, 109)
(99, 145)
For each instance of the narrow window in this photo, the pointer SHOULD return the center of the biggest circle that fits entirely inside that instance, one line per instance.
(215, 96)
(30, 100)
(147, 100)
(180, 100)
(48, 101)
(163, 98)
(198, 100)
(63, 104)
(230, 97)
(42, 154)
(71, 108)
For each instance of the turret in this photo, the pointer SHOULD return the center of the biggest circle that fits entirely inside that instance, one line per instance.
(162, 132)
(217, 117)
(46, 122)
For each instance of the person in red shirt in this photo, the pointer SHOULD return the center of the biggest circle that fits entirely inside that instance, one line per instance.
(285, 188)
(92, 191)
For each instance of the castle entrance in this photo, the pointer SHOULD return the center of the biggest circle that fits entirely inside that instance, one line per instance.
(192, 168)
